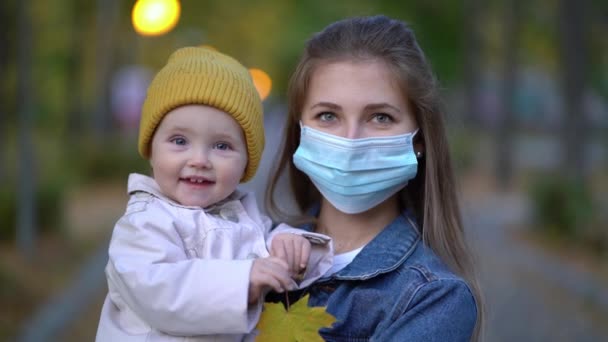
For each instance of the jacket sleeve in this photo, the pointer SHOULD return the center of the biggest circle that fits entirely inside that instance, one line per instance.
(321, 252)
(149, 269)
(441, 310)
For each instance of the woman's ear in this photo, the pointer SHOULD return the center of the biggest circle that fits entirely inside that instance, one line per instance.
(419, 145)
(419, 150)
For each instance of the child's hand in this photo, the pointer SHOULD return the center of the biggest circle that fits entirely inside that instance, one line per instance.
(292, 248)
(267, 273)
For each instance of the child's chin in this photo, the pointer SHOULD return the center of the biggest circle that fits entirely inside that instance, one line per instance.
(200, 204)
(194, 203)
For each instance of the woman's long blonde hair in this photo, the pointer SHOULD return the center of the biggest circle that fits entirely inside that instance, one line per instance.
(431, 196)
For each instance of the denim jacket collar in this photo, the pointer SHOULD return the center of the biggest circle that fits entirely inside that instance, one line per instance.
(382, 254)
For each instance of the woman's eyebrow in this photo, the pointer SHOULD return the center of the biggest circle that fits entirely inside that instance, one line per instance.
(381, 105)
(329, 105)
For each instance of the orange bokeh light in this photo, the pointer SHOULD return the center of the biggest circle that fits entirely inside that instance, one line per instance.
(262, 82)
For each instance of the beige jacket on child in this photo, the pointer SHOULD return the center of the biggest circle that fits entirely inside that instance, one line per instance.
(179, 273)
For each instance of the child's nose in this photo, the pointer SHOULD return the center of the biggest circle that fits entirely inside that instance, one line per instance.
(200, 159)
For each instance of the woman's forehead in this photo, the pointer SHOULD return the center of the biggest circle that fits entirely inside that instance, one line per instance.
(354, 82)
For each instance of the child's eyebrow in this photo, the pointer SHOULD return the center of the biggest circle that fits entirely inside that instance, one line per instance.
(216, 135)
(180, 129)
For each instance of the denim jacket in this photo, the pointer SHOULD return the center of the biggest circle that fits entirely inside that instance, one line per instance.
(396, 289)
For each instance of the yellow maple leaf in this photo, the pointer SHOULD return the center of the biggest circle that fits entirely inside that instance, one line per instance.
(300, 323)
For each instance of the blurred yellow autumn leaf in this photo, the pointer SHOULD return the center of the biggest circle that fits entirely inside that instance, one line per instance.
(300, 323)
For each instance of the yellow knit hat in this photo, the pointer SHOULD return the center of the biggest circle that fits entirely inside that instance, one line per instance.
(198, 75)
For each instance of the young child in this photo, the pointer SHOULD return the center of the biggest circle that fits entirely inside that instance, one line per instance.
(190, 258)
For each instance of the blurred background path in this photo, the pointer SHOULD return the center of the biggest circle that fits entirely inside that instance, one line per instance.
(531, 295)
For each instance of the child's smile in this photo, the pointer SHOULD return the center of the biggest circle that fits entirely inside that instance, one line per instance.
(194, 181)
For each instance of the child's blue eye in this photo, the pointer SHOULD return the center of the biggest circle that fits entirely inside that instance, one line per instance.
(222, 146)
(179, 141)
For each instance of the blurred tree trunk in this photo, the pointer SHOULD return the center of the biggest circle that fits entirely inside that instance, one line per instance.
(472, 65)
(506, 127)
(107, 13)
(26, 211)
(4, 23)
(573, 53)
(74, 95)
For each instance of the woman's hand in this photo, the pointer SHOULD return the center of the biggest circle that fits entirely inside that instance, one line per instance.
(294, 249)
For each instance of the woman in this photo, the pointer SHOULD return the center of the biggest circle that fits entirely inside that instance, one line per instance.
(368, 162)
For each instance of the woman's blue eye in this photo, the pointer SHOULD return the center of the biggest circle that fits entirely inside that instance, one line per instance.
(383, 118)
(179, 141)
(327, 116)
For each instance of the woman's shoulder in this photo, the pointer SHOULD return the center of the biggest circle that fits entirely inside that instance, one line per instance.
(427, 263)
(437, 302)
(427, 273)
(432, 281)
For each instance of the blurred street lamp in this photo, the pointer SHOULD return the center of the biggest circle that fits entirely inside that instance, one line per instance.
(262, 82)
(155, 17)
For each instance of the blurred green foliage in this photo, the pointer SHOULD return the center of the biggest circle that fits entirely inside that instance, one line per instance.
(462, 148)
(62, 165)
(110, 162)
(561, 204)
(564, 208)
(8, 213)
(47, 204)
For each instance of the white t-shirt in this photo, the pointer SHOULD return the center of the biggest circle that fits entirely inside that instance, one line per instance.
(342, 260)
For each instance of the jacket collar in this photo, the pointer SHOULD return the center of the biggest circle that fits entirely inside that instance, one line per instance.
(143, 183)
(387, 251)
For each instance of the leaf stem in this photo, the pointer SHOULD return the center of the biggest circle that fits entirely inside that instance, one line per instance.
(287, 300)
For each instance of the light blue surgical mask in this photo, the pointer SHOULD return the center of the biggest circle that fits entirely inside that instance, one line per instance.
(355, 175)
